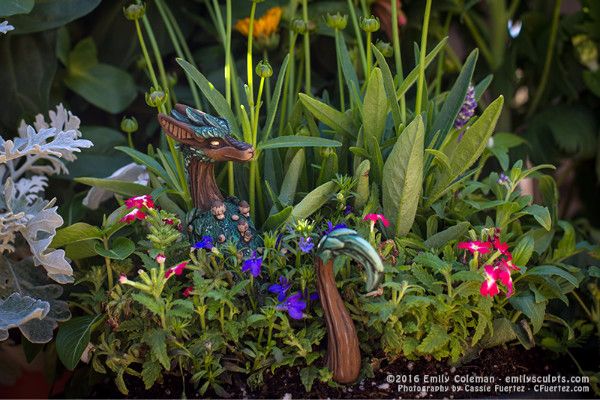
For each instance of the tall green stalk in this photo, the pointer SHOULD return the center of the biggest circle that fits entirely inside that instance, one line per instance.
(339, 71)
(422, 53)
(158, 57)
(307, 64)
(358, 35)
(398, 57)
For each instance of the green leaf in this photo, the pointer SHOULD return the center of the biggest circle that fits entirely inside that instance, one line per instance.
(121, 187)
(541, 215)
(75, 233)
(403, 177)
(436, 338)
(552, 270)
(523, 251)
(276, 220)
(73, 337)
(272, 111)
(444, 120)
(214, 97)
(121, 248)
(348, 69)
(482, 86)
(292, 177)
(527, 305)
(362, 184)
(331, 117)
(431, 261)
(388, 85)
(412, 76)
(150, 303)
(148, 161)
(566, 245)
(151, 371)
(14, 7)
(464, 153)
(50, 14)
(314, 200)
(157, 340)
(375, 107)
(308, 376)
(297, 141)
(440, 239)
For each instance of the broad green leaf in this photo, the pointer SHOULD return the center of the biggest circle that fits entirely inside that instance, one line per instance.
(75, 233)
(73, 337)
(50, 14)
(331, 117)
(329, 167)
(272, 111)
(541, 215)
(566, 245)
(151, 371)
(444, 120)
(527, 305)
(80, 250)
(403, 177)
(121, 187)
(314, 200)
(308, 376)
(148, 161)
(440, 239)
(156, 339)
(464, 153)
(553, 270)
(376, 158)
(362, 184)
(388, 85)
(281, 142)
(276, 220)
(14, 7)
(436, 338)
(214, 97)
(153, 305)
(375, 107)
(292, 176)
(412, 76)
(523, 251)
(432, 261)
(120, 249)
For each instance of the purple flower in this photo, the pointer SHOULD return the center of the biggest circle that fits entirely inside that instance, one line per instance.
(306, 244)
(279, 240)
(294, 305)
(280, 288)
(348, 209)
(314, 296)
(467, 110)
(503, 179)
(205, 243)
(252, 264)
(331, 227)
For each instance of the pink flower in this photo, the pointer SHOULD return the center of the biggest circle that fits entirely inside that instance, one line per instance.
(476, 246)
(140, 201)
(489, 287)
(508, 264)
(160, 258)
(168, 221)
(377, 217)
(122, 278)
(188, 291)
(502, 247)
(177, 270)
(133, 215)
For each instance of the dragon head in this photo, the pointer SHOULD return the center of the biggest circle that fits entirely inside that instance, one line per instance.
(204, 136)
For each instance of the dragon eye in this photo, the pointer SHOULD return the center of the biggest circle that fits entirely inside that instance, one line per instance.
(215, 143)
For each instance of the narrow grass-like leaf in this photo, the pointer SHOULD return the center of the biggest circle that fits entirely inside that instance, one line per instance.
(120, 187)
(281, 142)
(314, 200)
(411, 78)
(272, 112)
(388, 84)
(337, 120)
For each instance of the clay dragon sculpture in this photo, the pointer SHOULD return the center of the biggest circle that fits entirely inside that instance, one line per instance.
(204, 140)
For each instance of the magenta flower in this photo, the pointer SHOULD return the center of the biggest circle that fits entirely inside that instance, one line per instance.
(476, 246)
(160, 258)
(502, 247)
(133, 215)
(306, 244)
(377, 217)
(188, 291)
(252, 264)
(140, 202)
(294, 305)
(489, 287)
(280, 288)
(177, 270)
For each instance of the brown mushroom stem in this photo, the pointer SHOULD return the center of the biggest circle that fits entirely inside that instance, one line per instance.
(204, 189)
(343, 352)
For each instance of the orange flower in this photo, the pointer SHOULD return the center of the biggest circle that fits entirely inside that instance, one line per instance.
(264, 26)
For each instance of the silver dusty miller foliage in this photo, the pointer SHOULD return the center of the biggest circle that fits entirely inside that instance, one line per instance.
(28, 297)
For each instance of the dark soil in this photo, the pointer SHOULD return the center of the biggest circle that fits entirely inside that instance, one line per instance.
(404, 379)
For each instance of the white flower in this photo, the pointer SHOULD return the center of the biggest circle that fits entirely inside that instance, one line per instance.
(514, 28)
(5, 27)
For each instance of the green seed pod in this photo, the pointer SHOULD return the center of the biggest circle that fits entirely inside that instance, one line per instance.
(299, 26)
(156, 97)
(370, 24)
(336, 21)
(134, 12)
(264, 69)
(385, 48)
(129, 125)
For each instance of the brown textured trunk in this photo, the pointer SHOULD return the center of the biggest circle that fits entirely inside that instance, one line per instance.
(343, 352)
(204, 189)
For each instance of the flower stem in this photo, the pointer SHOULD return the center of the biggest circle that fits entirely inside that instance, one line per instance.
(288, 94)
(549, 52)
(161, 67)
(369, 56)
(422, 52)
(357, 34)
(307, 66)
(249, 65)
(109, 271)
(398, 57)
(146, 55)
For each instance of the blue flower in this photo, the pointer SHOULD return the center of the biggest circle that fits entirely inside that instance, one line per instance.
(348, 209)
(252, 264)
(280, 288)
(467, 110)
(294, 305)
(331, 227)
(205, 243)
(306, 244)
(314, 296)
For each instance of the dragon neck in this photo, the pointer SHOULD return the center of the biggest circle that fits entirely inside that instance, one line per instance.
(204, 189)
